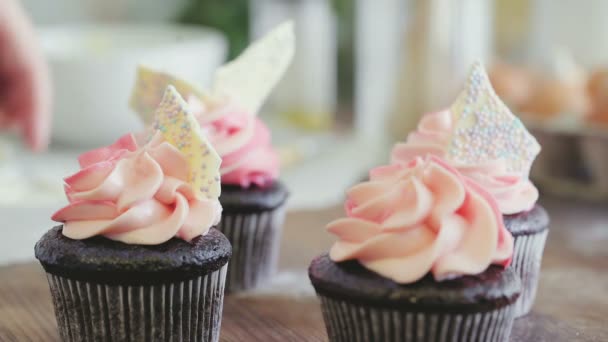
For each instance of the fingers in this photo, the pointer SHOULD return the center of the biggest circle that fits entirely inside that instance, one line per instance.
(25, 103)
(25, 94)
(28, 102)
(35, 118)
(6, 121)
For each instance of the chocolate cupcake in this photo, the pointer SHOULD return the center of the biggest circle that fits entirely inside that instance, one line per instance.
(359, 305)
(136, 258)
(105, 290)
(253, 220)
(254, 199)
(480, 137)
(421, 256)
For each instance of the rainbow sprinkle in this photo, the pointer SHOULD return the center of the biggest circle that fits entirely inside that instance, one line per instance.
(180, 128)
(485, 129)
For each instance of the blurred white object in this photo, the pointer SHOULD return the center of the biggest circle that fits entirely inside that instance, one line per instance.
(579, 26)
(28, 179)
(378, 43)
(442, 40)
(93, 70)
(26, 206)
(307, 93)
(47, 12)
(31, 190)
(28, 225)
(565, 68)
(342, 162)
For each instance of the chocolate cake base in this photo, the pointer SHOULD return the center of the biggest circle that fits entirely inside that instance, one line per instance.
(105, 290)
(529, 230)
(252, 219)
(360, 305)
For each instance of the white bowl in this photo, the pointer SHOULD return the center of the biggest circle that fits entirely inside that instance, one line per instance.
(44, 12)
(93, 71)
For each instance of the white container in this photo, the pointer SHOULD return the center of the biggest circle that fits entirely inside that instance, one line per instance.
(377, 48)
(93, 71)
(442, 39)
(307, 93)
(45, 12)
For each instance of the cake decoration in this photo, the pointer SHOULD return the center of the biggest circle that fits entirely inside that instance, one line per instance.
(251, 76)
(227, 114)
(248, 79)
(485, 129)
(179, 127)
(150, 88)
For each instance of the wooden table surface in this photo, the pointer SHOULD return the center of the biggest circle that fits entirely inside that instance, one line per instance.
(572, 303)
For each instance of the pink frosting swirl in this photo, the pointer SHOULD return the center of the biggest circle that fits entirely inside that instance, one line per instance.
(243, 141)
(420, 217)
(513, 192)
(135, 195)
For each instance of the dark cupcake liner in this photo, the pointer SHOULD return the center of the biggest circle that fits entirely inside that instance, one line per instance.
(527, 256)
(188, 310)
(255, 239)
(346, 322)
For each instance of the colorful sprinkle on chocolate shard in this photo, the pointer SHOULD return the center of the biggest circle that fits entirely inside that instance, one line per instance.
(180, 128)
(487, 130)
(247, 80)
(150, 86)
(250, 77)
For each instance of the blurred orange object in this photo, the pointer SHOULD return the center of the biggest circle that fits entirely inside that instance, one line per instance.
(597, 88)
(548, 99)
(552, 97)
(598, 84)
(513, 84)
(540, 95)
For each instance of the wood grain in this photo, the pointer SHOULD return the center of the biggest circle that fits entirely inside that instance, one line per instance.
(572, 303)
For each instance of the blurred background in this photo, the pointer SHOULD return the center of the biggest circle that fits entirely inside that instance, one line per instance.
(363, 73)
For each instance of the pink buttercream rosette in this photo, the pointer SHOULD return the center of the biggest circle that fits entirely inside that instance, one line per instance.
(242, 140)
(513, 191)
(418, 217)
(135, 194)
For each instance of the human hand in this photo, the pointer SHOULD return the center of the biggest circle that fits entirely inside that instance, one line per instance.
(25, 92)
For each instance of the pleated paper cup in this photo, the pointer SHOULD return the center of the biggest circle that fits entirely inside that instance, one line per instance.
(529, 230)
(527, 257)
(189, 310)
(348, 322)
(255, 237)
